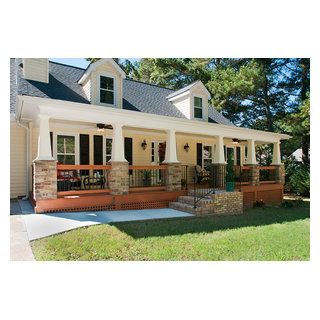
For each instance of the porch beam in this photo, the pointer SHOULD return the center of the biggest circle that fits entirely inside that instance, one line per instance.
(171, 148)
(44, 144)
(276, 154)
(219, 152)
(117, 153)
(251, 152)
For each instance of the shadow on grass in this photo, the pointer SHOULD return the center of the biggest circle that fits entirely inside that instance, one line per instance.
(180, 226)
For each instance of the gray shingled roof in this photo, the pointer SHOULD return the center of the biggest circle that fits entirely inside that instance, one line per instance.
(182, 90)
(63, 85)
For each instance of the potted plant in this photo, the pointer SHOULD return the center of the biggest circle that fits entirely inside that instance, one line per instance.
(230, 174)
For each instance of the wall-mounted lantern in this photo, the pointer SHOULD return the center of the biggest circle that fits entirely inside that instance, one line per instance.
(144, 144)
(186, 147)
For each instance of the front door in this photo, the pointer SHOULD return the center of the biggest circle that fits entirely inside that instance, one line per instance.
(158, 151)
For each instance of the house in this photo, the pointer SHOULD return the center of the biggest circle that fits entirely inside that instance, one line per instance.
(93, 138)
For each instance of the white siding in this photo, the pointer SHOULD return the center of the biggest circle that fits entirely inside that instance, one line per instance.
(17, 161)
(183, 104)
(87, 89)
(36, 69)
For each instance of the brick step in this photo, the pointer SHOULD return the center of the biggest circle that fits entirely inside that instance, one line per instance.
(190, 200)
(184, 207)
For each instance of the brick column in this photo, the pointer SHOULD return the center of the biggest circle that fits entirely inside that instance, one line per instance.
(118, 177)
(280, 174)
(254, 174)
(44, 179)
(173, 176)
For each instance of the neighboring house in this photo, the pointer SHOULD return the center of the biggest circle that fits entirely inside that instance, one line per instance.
(118, 137)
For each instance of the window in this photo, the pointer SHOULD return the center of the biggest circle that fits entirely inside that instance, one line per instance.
(108, 149)
(207, 157)
(106, 90)
(197, 107)
(66, 149)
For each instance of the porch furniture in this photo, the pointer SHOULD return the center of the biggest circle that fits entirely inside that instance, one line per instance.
(68, 180)
(89, 182)
(202, 175)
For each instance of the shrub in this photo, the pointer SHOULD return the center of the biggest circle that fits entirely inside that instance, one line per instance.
(259, 204)
(299, 181)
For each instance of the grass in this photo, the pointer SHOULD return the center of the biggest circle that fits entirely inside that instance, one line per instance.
(259, 234)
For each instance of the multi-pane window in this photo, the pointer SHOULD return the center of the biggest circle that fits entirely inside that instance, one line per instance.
(207, 157)
(152, 152)
(108, 149)
(106, 90)
(66, 149)
(197, 103)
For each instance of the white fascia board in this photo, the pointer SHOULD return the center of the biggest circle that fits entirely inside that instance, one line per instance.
(200, 84)
(181, 95)
(73, 111)
(98, 63)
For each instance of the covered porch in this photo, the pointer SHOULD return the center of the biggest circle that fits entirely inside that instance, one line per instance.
(97, 157)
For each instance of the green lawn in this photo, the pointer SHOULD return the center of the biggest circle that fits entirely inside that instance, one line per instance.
(259, 234)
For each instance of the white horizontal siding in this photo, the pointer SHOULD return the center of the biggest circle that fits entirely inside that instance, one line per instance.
(17, 161)
(36, 69)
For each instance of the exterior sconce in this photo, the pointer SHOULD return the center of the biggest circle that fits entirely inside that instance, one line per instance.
(186, 147)
(144, 145)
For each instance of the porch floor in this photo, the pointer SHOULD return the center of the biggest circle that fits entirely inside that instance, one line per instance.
(44, 225)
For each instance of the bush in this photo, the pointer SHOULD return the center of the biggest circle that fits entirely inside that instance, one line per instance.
(259, 204)
(299, 181)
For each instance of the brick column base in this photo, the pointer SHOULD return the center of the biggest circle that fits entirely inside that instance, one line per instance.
(173, 176)
(280, 174)
(44, 179)
(254, 174)
(118, 178)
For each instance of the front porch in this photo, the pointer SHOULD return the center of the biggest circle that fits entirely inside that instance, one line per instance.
(119, 159)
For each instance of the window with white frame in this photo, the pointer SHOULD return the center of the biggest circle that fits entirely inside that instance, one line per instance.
(107, 90)
(66, 153)
(197, 104)
(108, 149)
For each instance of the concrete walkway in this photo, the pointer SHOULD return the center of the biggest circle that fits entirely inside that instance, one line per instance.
(43, 225)
(20, 249)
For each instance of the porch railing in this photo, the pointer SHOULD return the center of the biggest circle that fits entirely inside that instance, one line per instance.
(147, 176)
(82, 177)
(267, 174)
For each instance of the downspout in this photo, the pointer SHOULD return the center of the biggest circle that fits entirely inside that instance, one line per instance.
(27, 128)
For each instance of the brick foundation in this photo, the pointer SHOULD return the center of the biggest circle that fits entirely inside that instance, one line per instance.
(254, 174)
(118, 178)
(173, 176)
(44, 179)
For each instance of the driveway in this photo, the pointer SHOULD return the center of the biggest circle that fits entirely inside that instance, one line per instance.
(43, 225)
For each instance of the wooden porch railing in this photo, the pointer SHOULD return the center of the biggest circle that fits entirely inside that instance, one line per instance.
(147, 176)
(267, 174)
(72, 179)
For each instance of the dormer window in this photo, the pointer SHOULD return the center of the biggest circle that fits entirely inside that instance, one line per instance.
(197, 104)
(107, 90)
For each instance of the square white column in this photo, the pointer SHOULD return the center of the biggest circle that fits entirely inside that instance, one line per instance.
(219, 151)
(117, 153)
(44, 143)
(276, 154)
(251, 152)
(171, 148)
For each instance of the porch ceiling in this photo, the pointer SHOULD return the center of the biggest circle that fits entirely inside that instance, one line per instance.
(30, 107)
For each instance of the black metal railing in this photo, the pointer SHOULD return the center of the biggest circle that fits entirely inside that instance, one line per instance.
(208, 182)
(82, 177)
(241, 175)
(146, 176)
(184, 177)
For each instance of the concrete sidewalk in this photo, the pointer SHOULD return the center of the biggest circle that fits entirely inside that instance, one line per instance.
(20, 249)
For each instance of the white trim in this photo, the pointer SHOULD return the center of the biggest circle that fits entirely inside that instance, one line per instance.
(76, 141)
(98, 63)
(73, 111)
(196, 84)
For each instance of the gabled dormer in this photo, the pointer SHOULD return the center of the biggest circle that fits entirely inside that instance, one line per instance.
(192, 101)
(103, 83)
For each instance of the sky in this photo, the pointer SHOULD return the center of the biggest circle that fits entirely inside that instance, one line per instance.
(77, 62)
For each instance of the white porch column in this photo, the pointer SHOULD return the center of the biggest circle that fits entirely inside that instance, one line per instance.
(171, 148)
(44, 145)
(117, 154)
(276, 155)
(219, 151)
(251, 152)
(242, 155)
